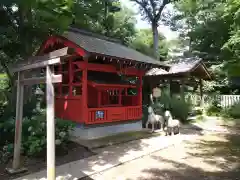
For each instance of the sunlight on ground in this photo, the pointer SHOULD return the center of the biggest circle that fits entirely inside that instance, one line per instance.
(209, 157)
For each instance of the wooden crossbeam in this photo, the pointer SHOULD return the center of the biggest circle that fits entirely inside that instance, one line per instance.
(42, 61)
(54, 54)
(35, 65)
(41, 80)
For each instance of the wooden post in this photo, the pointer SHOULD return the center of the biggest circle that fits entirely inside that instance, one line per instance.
(201, 92)
(168, 93)
(151, 95)
(140, 91)
(170, 88)
(18, 124)
(70, 76)
(84, 92)
(50, 126)
(182, 90)
(39, 62)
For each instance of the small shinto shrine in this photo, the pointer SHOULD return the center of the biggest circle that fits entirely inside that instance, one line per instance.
(185, 71)
(101, 81)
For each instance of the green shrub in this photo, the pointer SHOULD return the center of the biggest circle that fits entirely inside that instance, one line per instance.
(234, 110)
(163, 103)
(5, 153)
(34, 133)
(179, 108)
(3, 96)
(214, 108)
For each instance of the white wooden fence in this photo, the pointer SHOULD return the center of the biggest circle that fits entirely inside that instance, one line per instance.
(225, 100)
(229, 100)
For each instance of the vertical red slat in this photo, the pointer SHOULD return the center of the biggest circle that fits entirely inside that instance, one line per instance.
(120, 97)
(84, 93)
(99, 98)
(70, 76)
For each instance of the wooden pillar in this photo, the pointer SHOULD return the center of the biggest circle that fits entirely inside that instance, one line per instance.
(60, 84)
(120, 97)
(70, 76)
(201, 92)
(169, 87)
(51, 175)
(151, 94)
(182, 89)
(140, 91)
(18, 123)
(84, 92)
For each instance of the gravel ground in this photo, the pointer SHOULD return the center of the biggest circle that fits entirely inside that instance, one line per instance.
(209, 157)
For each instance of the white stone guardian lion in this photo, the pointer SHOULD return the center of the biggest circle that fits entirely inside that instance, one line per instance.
(154, 118)
(172, 125)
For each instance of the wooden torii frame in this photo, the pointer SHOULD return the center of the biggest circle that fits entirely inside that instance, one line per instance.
(45, 61)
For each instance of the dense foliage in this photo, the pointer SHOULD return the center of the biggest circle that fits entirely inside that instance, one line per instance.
(234, 111)
(214, 108)
(143, 42)
(213, 30)
(179, 108)
(33, 134)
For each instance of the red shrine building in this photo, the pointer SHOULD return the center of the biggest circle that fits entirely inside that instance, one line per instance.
(101, 81)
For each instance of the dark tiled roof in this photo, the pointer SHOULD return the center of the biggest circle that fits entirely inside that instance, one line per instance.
(156, 71)
(104, 46)
(179, 67)
(184, 65)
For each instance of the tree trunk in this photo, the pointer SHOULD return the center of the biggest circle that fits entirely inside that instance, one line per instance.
(155, 39)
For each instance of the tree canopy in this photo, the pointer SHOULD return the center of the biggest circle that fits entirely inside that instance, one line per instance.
(213, 29)
(143, 42)
(26, 23)
(151, 10)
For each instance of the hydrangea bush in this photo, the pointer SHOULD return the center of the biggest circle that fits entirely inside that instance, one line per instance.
(33, 134)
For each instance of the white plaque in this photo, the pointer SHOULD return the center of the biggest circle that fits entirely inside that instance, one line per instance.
(156, 92)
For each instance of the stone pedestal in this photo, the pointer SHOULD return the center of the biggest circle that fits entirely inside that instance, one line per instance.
(95, 132)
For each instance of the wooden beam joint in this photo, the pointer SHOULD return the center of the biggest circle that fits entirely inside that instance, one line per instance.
(43, 61)
(41, 80)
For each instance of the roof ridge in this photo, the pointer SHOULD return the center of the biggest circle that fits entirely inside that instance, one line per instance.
(93, 34)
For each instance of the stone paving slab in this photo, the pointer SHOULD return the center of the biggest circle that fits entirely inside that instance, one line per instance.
(110, 157)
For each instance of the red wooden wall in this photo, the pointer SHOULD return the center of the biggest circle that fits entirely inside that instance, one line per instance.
(97, 97)
(77, 99)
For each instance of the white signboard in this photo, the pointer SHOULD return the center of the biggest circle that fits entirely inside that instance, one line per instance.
(156, 92)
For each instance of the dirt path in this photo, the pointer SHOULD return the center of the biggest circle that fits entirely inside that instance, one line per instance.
(208, 157)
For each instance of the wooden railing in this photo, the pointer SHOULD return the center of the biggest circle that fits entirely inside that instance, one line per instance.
(113, 114)
(132, 113)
